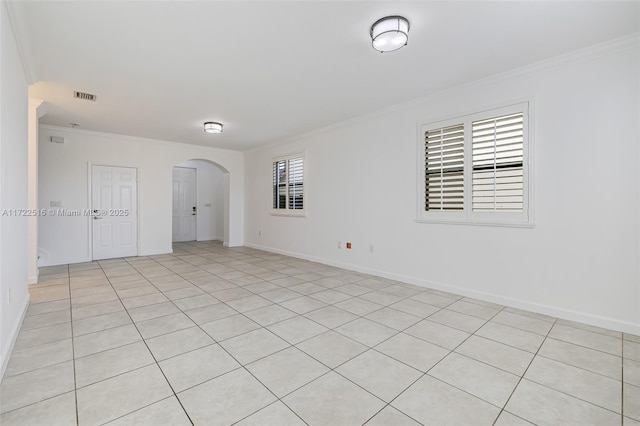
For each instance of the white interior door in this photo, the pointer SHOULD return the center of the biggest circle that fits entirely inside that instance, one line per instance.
(184, 204)
(114, 210)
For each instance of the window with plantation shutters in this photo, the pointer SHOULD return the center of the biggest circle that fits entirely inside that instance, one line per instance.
(296, 183)
(288, 185)
(444, 168)
(280, 184)
(476, 169)
(497, 164)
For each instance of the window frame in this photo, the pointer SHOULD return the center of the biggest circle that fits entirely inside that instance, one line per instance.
(287, 211)
(467, 216)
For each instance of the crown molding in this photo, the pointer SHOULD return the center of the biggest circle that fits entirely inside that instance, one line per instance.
(20, 34)
(136, 139)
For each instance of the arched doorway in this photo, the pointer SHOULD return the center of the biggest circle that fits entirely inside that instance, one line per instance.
(200, 201)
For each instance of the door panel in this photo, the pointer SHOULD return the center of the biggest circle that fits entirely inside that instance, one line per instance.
(115, 219)
(184, 204)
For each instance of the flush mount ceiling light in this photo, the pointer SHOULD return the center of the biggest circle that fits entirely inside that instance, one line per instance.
(212, 127)
(390, 33)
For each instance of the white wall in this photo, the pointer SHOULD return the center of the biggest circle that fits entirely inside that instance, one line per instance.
(32, 191)
(62, 177)
(14, 296)
(210, 199)
(580, 261)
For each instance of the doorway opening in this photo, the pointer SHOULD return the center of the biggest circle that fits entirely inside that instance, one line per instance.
(200, 201)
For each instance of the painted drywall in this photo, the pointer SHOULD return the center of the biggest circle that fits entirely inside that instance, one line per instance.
(210, 199)
(32, 191)
(63, 177)
(580, 261)
(14, 296)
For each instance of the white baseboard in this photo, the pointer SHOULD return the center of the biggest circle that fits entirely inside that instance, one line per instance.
(14, 336)
(209, 238)
(43, 264)
(554, 311)
(155, 252)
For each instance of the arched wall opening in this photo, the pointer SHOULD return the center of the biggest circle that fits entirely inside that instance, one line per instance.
(200, 201)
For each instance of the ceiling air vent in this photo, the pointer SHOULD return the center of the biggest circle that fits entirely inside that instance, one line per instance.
(85, 96)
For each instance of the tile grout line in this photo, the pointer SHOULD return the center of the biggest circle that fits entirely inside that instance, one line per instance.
(243, 366)
(148, 349)
(244, 312)
(262, 326)
(575, 397)
(524, 373)
(294, 346)
(73, 349)
(426, 373)
(582, 368)
(369, 347)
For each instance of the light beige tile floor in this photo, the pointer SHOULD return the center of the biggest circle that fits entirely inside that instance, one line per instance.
(217, 336)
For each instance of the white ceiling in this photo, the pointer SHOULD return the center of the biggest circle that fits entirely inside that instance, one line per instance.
(273, 69)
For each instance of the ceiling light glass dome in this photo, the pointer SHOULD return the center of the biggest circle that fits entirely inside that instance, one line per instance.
(389, 33)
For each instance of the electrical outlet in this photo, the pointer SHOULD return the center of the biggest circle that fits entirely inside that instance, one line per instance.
(348, 245)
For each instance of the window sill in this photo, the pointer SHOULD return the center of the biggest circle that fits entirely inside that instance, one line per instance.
(496, 224)
(289, 213)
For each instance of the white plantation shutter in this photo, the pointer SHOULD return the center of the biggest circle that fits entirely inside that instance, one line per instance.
(288, 185)
(444, 168)
(296, 183)
(498, 154)
(280, 185)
